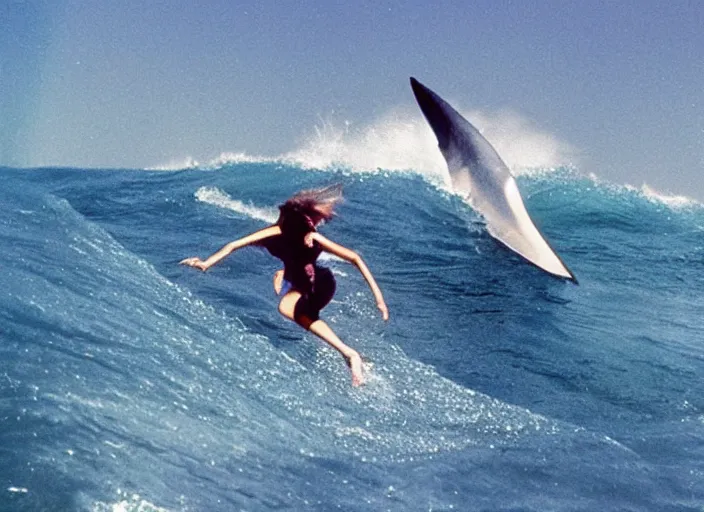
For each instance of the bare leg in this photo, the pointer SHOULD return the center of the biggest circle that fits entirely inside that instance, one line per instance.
(322, 330)
(278, 281)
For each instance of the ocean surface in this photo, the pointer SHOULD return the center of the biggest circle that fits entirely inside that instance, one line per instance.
(130, 383)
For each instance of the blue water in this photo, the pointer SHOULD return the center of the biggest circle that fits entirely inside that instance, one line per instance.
(128, 382)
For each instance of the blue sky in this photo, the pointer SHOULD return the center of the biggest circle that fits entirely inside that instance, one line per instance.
(136, 84)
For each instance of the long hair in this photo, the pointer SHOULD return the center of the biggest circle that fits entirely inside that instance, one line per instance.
(308, 208)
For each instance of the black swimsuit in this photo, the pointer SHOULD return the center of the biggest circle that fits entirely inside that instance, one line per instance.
(316, 284)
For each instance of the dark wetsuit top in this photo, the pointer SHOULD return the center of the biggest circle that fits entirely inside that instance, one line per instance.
(315, 283)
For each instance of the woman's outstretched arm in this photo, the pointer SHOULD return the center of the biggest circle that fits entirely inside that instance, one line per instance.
(229, 248)
(354, 258)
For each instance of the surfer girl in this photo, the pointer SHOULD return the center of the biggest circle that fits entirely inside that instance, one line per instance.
(304, 286)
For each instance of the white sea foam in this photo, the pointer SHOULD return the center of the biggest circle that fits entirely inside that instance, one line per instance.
(522, 145)
(217, 197)
(240, 157)
(402, 140)
(176, 164)
(396, 142)
(223, 159)
(128, 503)
(648, 192)
(673, 201)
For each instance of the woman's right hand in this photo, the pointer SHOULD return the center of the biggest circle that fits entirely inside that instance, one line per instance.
(384, 310)
(195, 262)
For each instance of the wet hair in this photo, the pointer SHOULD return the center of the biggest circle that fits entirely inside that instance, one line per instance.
(304, 211)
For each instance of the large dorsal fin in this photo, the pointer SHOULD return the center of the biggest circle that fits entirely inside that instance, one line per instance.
(478, 172)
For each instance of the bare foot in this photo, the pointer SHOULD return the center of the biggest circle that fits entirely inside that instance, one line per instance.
(355, 363)
(278, 281)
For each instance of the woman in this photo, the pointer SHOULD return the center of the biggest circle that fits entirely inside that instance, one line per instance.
(306, 287)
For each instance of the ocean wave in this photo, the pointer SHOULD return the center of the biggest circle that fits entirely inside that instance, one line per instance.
(135, 384)
(118, 307)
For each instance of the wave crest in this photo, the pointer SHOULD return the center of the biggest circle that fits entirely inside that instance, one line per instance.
(647, 192)
(671, 200)
(402, 141)
(225, 158)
